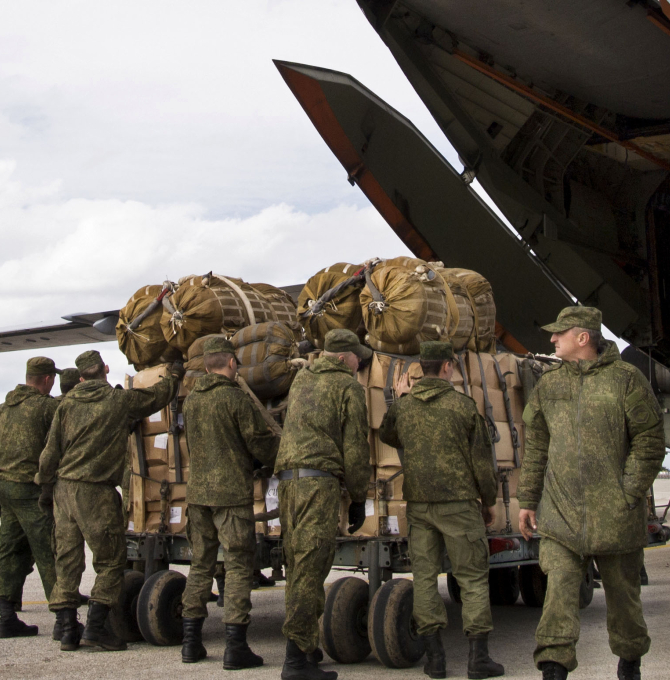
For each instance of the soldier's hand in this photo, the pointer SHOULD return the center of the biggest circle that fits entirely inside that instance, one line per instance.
(46, 500)
(403, 386)
(527, 523)
(356, 516)
(489, 515)
(177, 370)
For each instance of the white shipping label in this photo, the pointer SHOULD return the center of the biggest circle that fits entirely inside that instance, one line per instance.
(369, 507)
(175, 515)
(392, 524)
(131, 526)
(274, 523)
(160, 441)
(271, 497)
(156, 417)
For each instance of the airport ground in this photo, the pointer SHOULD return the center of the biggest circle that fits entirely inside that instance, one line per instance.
(511, 643)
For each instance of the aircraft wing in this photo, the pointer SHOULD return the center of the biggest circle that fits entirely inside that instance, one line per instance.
(562, 112)
(426, 202)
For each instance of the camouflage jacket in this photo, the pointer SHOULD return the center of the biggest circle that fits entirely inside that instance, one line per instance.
(25, 419)
(88, 440)
(326, 426)
(447, 451)
(225, 432)
(594, 445)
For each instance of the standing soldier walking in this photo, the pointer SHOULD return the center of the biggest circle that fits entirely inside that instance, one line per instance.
(448, 466)
(325, 440)
(25, 530)
(85, 458)
(225, 432)
(594, 445)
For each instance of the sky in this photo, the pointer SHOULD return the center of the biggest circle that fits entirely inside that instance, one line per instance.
(148, 140)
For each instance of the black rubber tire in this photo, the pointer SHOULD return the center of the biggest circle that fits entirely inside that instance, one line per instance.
(344, 624)
(122, 620)
(504, 586)
(454, 589)
(159, 608)
(533, 585)
(391, 627)
(586, 589)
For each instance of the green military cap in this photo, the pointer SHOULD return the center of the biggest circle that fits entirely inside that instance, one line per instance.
(343, 340)
(218, 345)
(89, 359)
(435, 350)
(580, 317)
(41, 366)
(69, 378)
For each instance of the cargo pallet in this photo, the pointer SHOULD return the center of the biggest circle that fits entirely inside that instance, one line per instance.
(360, 616)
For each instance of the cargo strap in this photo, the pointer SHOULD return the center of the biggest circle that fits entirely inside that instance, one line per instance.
(490, 421)
(272, 424)
(175, 431)
(378, 304)
(317, 305)
(302, 472)
(242, 295)
(461, 363)
(508, 411)
(168, 287)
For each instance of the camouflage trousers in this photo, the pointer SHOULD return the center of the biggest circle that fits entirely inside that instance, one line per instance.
(309, 511)
(25, 539)
(234, 529)
(457, 526)
(558, 631)
(91, 513)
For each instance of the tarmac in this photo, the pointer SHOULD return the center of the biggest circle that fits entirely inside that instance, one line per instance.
(511, 644)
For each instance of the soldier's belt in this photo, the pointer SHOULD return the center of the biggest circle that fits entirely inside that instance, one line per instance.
(302, 472)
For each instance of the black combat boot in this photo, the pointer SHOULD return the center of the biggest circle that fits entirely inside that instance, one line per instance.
(57, 633)
(262, 581)
(628, 670)
(297, 666)
(96, 634)
(238, 654)
(221, 585)
(315, 657)
(10, 624)
(480, 664)
(436, 661)
(72, 630)
(192, 649)
(553, 671)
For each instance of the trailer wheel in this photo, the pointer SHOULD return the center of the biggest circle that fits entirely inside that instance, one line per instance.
(586, 589)
(533, 585)
(391, 627)
(344, 625)
(122, 620)
(504, 586)
(159, 608)
(454, 589)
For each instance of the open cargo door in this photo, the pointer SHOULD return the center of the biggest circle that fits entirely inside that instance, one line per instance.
(425, 201)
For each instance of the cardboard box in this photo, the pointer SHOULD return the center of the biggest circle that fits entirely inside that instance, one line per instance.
(150, 376)
(504, 448)
(183, 451)
(376, 407)
(153, 522)
(370, 526)
(154, 506)
(259, 508)
(512, 481)
(185, 475)
(516, 399)
(177, 517)
(496, 399)
(157, 422)
(178, 492)
(152, 490)
(260, 488)
(390, 490)
(474, 371)
(509, 365)
(386, 455)
(501, 519)
(396, 519)
(156, 449)
(158, 473)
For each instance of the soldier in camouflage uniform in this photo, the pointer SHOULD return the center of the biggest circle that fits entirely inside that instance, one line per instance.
(325, 441)
(594, 445)
(25, 530)
(69, 378)
(448, 466)
(85, 458)
(225, 432)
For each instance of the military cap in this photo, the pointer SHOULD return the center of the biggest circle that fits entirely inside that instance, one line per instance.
(41, 366)
(435, 350)
(580, 317)
(89, 359)
(219, 345)
(69, 378)
(343, 340)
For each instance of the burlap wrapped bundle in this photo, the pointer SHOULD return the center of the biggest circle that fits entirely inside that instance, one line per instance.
(211, 304)
(342, 311)
(477, 311)
(282, 304)
(266, 353)
(143, 345)
(408, 306)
